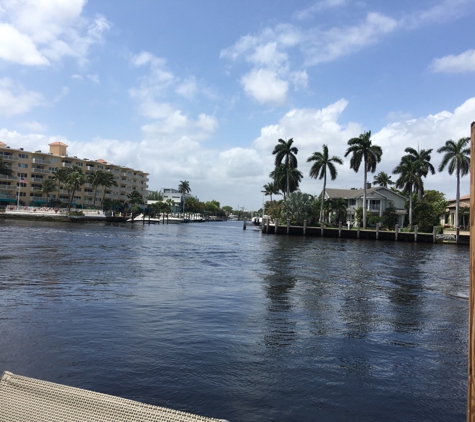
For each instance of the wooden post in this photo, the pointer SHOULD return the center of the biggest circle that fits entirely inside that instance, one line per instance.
(267, 224)
(396, 231)
(416, 229)
(276, 225)
(457, 234)
(471, 308)
(321, 228)
(339, 229)
(244, 224)
(434, 234)
(288, 225)
(377, 231)
(358, 228)
(304, 227)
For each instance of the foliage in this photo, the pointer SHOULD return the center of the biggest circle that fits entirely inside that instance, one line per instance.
(383, 179)
(47, 187)
(389, 218)
(193, 205)
(298, 207)
(279, 175)
(428, 211)
(408, 180)
(184, 188)
(271, 189)
(338, 208)
(227, 209)
(374, 219)
(359, 215)
(273, 208)
(155, 196)
(135, 198)
(421, 159)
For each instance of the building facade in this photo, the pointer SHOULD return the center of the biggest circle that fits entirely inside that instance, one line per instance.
(31, 169)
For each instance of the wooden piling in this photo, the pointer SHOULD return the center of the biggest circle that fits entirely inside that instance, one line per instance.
(276, 225)
(244, 224)
(321, 228)
(288, 225)
(304, 227)
(416, 229)
(434, 234)
(377, 231)
(267, 224)
(471, 316)
(358, 230)
(396, 231)
(339, 229)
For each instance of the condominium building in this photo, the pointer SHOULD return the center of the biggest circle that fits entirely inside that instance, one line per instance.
(30, 169)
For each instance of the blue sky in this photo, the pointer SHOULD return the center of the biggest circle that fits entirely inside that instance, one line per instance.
(202, 90)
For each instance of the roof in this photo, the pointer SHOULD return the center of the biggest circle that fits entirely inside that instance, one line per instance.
(101, 160)
(2, 144)
(58, 143)
(358, 193)
(462, 198)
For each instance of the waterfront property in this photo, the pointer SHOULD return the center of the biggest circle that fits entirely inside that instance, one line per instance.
(33, 168)
(464, 212)
(378, 198)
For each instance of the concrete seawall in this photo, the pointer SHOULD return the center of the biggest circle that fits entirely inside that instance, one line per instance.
(361, 234)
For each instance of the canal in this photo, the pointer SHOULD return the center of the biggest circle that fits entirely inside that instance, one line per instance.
(214, 320)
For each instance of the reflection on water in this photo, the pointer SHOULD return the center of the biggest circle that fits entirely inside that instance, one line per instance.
(215, 320)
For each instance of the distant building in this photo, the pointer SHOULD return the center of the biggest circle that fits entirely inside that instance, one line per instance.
(175, 196)
(377, 200)
(35, 167)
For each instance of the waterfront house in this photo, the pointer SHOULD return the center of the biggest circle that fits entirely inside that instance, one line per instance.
(31, 169)
(464, 211)
(378, 199)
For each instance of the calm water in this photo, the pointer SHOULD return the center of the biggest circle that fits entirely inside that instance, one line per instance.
(211, 319)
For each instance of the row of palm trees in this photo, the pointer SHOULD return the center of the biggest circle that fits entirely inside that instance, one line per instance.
(413, 168)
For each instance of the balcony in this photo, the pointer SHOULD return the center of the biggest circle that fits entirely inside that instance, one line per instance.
(68, 165)
(6, 196)
(41, 171)
(37, 179)
(10, 158)
(5, 177)
(8, 187)
(38, 160)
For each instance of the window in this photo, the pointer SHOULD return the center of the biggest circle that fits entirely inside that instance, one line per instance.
(22, 175)
(351, 202)
(22, 165)
(24, 156)
(53, 160)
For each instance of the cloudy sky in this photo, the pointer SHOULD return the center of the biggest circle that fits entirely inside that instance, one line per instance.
(202, 90)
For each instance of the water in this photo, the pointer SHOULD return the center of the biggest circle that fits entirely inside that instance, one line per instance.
(214, 320)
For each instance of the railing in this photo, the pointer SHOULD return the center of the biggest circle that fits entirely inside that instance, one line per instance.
(41, 160)
(3, 196)
(38, 170)
(373, 209)
(8, 187)
(10, 158)
(66, 165)
(5, 177)
(37, 179)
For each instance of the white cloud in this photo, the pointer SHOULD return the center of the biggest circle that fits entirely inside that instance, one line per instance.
(34, 126)
(319, 6)
(187, 88)
(464, 62)
(39, 32)
(265, 86)
(94, 78)
(15, 99)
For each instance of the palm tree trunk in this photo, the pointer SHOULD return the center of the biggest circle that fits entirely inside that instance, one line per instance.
(288, 177)
(457, 199)
(364, 195)
(410, 208)
(323, 196)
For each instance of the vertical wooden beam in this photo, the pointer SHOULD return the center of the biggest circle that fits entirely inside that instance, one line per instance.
(304, 227)
(471, 313)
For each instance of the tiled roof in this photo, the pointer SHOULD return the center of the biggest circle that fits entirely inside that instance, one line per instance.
(58, 143)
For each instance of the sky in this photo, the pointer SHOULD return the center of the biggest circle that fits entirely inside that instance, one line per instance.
(202, 90)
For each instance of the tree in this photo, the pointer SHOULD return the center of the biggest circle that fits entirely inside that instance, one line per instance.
(338, 207)
(155, 196)
(428, 211)
(322, 163)
(184, 188)
(48, 186)
(363, 150)
(408, 180)
(456, 158)
(271, 189)
(284, 151)
(279, 174)
(298, 207)
(60, 177)
(75, 178)
(383, 179)
(423, 166)
(95, 179)
(135, 198)
(5, 168)
(389, 218)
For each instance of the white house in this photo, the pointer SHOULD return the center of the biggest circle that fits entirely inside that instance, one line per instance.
(377, 200)
(175, 196)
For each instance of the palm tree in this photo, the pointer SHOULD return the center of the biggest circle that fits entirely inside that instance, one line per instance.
(75, 178)
(456, 158)
(271, 189)
(422, 158)
(107, 181)
(4, 168)
(60, 176)
(383, 179)
(280, 174)
(408, 180)
(338, 206)
(321, 164)
(184, 188)
(284, 151)
(363, 150)
(95, 179)
(48, 186)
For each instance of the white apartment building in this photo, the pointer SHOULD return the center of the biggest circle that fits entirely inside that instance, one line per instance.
(35, 167)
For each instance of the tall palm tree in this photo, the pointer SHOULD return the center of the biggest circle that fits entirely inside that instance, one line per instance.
(48, 186)
(284, 151)
(408, 180)
(95, 179)
(383, 179)
(322, 163)
(184, 188)
(280, 174)
(4, 168)
(75, 178)
(271, 189)
(422, 158)
(60, 177)
(456, 158)
(107, 181)
(363, 150)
